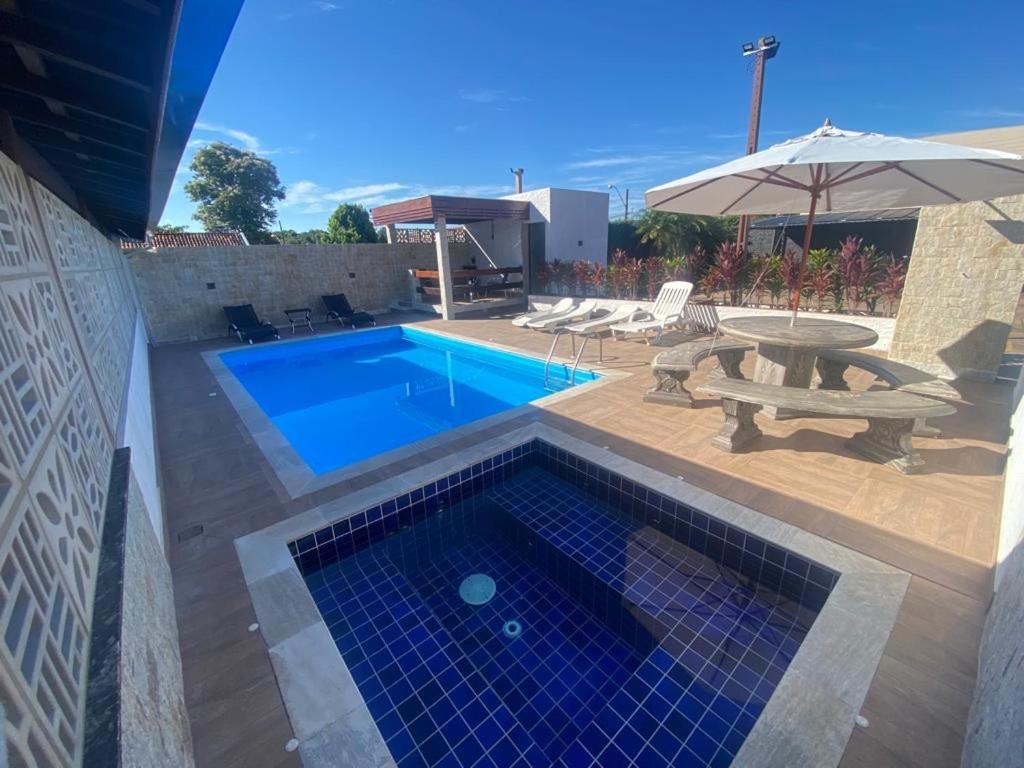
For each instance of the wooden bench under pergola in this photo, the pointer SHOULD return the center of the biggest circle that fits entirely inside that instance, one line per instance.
(442, 210)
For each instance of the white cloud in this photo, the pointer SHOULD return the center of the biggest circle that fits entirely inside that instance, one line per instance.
(247, 140)
(994, 112)
(323, 5)
(465, 127)
(614, 160)
(250, 141)
(309, 197)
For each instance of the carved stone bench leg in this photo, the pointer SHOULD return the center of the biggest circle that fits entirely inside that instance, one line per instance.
(831, 374)
(888, 441)
(739, 427)
(923, 429)
(730, 361)
(668, 389)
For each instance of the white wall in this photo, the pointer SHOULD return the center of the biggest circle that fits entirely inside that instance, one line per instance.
(1011, 528)
(578, 216)
(137, 431)
(572, 216)
(501, 240)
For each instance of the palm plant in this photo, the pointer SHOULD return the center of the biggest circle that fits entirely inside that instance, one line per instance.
(671, 233)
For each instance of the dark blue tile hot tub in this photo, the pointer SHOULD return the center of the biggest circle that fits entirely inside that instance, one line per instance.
(626, 628)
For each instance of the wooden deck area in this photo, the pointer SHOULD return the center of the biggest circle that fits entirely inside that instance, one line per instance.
(940, 525)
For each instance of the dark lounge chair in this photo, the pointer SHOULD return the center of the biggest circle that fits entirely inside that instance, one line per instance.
(339, 309)
(246, 325)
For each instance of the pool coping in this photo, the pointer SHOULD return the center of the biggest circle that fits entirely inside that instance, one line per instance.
(807, 721)
(296, 476)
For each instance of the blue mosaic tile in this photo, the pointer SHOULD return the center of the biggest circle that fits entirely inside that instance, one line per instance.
(652, 633)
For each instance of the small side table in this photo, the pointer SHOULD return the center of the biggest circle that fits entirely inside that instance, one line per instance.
(300, 316)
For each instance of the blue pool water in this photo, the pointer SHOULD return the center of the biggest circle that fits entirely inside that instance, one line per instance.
(644, 637)
(343, 398)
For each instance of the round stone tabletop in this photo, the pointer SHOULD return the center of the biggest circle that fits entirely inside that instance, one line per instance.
(807, 333)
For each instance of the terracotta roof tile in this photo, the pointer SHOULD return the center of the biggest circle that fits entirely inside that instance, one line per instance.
(185, 240)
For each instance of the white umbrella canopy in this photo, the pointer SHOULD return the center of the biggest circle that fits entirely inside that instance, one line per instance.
(836, 170)
(851, 171)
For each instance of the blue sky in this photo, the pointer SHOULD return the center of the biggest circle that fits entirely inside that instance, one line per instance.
(374, 101)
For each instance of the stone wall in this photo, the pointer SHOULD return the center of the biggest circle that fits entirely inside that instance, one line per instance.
(68, 313)
(179, 305)
(965, 278)
(155, 729)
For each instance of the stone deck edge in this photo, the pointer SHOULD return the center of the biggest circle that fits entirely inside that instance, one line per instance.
(294, 473)
(808, 720)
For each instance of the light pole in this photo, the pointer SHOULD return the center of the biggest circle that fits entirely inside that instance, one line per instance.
(625, 200)
(765, 49)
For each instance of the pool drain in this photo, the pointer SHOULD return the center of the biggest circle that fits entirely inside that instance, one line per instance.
(512, 629)
(477, 589)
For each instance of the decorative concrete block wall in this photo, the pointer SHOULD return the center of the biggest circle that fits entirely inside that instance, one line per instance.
(67, 319)
(178, 304)
(962, 289)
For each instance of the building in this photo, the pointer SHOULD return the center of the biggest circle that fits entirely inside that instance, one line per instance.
(186, 240)
(515, 234)
(91, 133)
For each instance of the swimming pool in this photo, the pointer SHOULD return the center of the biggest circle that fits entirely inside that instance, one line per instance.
(623, 627)
(344, 398)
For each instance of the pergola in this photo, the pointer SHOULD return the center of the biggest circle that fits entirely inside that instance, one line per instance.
(442, 210)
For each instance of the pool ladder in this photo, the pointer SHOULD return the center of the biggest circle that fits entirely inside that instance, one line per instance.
(578, 355)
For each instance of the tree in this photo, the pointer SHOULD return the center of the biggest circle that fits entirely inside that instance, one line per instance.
(291, 237)
(674, 235)
(235, 189)
(350, 224)
(170, 229)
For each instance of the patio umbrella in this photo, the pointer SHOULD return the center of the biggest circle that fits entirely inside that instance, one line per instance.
(836, 170)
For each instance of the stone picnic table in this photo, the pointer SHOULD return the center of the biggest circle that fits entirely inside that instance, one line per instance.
(786, 353)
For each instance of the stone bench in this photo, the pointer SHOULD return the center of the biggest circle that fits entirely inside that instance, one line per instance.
(832, 364)
(673, 367)
(890, 416)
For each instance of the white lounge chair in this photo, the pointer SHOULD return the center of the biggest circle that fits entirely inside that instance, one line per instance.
(578, 313)
(562, 305)
(595, 326)
(669, 311)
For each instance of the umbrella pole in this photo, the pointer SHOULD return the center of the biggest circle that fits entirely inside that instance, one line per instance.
(803, 258)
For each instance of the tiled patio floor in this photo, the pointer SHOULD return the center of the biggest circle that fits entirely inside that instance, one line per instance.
(940, 526)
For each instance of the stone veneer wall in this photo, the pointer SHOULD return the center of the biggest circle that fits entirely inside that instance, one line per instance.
(997, 711)
(962, 289)
(68, 312)
(155, 731)
(179, 306)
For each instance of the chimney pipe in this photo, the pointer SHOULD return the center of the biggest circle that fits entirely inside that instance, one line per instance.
(518, 173)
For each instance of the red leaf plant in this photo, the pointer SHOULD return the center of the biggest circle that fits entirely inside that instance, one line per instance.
(654, 272)
(731, 261)
(581, 270)
(789, 270)
(890, 286)
(598, 276)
